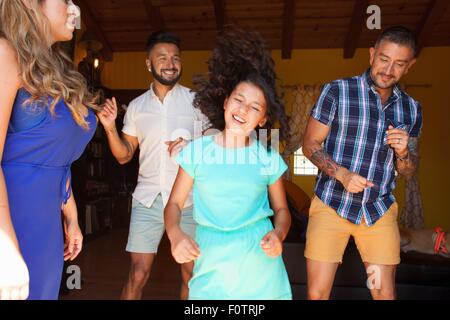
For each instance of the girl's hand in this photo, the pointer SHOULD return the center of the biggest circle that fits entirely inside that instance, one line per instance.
(272, 244)
(184, 248)
(174, 147)
(74, 240)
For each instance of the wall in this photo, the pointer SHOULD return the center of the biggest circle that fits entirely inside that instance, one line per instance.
(127, 71)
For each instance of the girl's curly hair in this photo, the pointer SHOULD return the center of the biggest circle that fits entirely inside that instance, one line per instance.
(239, 56)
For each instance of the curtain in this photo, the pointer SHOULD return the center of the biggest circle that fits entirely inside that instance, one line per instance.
(412, 212)
(304, 98)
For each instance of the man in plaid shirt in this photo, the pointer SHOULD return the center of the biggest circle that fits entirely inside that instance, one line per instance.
(362, 129)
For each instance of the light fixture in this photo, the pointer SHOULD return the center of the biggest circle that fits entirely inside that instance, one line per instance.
(90, 66)
(89, 42)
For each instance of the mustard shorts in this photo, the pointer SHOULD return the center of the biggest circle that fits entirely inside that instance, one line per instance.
(328, 234)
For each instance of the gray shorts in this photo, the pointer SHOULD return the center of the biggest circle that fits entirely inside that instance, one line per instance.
(147, 226)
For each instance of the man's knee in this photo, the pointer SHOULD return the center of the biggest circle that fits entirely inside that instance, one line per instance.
(139, 275)
(320, 278)
(140, 272)
(383, 294)
(318, 294)
(381, 281)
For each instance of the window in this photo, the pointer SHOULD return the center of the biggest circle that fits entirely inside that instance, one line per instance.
(302, 165)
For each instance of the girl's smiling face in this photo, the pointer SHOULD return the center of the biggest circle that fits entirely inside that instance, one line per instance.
(245, 109)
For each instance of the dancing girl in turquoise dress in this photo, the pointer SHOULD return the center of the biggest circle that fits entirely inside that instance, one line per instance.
(233, 174)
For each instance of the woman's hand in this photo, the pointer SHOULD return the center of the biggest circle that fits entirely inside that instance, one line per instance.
(14, 278)
(74, 240)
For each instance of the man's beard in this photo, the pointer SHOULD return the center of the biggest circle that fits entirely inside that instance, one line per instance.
(162, 80)
(383, 85)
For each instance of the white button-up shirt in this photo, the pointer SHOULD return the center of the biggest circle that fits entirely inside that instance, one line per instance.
(153, 123)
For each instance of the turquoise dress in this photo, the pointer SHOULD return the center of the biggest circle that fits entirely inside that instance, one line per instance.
(231, 207)
(39, 149)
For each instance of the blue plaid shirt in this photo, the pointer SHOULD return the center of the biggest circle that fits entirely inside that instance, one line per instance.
(357, 141)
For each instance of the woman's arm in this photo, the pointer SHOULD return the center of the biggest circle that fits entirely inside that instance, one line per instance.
(14, 278)
(69, 210)
(9, 84)
(184, 248)
(73, 235)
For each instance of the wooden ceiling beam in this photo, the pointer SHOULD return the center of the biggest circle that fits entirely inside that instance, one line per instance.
(91, 24)
(357, 24)
(168, 3)
(220, 13)
(154, 15)
(434, 13)
(288, 29)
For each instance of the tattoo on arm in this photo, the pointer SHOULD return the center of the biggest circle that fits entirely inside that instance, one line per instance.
(324, 162)
(408, 168)
(413, 144)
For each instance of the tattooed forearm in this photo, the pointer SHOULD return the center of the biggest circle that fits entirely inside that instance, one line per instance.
(407, 167)
(324, 162)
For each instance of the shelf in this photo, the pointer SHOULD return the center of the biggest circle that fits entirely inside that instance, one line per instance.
(90, 237)
(96, 200)
(98, 183)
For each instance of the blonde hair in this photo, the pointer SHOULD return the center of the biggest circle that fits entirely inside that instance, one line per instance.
(45, 70)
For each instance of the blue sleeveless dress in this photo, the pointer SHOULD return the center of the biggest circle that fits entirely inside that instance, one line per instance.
(38, 152)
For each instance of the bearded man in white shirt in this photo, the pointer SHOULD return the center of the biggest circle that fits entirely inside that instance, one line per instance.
(159, 123)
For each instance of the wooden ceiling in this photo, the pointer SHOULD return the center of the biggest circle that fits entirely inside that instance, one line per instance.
(124, 25)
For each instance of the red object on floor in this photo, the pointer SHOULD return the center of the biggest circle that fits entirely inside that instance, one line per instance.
(439, 244)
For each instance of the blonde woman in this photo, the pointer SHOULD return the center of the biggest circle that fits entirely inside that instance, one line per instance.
(46, 120)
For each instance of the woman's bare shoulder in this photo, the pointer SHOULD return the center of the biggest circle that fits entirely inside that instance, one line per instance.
(9, 66)
(8, 55)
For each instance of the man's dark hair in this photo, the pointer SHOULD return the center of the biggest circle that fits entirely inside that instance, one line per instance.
(399, 35)
(161, 37)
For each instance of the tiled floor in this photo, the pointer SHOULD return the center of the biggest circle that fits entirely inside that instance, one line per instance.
(104, 267)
